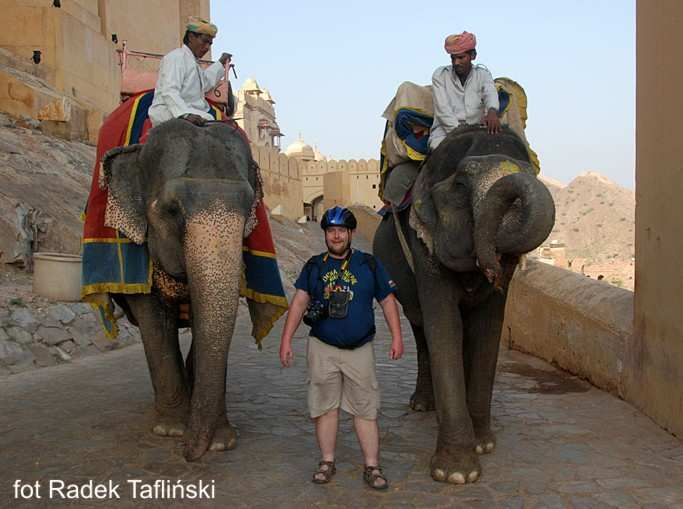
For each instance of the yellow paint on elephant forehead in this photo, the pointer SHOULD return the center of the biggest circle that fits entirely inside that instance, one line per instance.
(509, 167)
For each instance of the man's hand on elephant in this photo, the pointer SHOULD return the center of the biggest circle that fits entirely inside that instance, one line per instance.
(396, 351)
(194, 119)
(286, 354)
(492, 122)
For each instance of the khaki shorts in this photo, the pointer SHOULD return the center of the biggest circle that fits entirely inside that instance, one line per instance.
(343, 378)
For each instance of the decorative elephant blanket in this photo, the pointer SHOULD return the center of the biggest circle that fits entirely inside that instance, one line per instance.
(113, 263)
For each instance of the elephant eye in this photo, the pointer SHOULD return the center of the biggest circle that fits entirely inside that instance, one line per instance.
(460, 186)
(165, 207)
(172, 207)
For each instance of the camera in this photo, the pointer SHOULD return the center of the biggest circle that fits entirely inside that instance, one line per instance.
(338, 305)
(315, 312)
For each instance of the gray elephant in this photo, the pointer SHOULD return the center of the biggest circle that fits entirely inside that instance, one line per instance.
(189, 192)
(477, 205)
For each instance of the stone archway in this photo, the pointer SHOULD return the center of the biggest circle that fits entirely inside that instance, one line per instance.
(317, 208)
(313, 208)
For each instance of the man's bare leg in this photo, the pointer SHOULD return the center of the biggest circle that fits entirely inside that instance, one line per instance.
(326, 431)
(368, 437)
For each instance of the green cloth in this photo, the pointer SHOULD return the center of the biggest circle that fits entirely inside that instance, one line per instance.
(201, 26)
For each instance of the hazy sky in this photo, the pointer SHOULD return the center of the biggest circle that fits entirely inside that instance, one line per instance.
(332, 67)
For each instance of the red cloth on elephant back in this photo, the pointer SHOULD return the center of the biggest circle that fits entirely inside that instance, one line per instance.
(113, 264)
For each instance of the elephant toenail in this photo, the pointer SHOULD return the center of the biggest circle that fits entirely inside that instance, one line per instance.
(479, 449)
(456, 478)
(159, 430)
(217, 446)
(474, 475)
(231, 443)
(439, 474)
(490, 446)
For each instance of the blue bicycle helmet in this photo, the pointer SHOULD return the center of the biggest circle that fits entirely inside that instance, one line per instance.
(338, 216)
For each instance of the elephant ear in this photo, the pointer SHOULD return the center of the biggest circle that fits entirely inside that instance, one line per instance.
(423, 216)
(123, 178)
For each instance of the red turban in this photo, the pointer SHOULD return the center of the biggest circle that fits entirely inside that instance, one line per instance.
(460, 43)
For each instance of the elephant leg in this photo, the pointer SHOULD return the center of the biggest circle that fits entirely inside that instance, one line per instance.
(189, 367)
(454, 460)
(482, 339)
(225, 436)
(159, 332)
(422, 399)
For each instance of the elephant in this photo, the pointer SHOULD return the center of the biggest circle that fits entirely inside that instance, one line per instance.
(477, 205)
(189, 192)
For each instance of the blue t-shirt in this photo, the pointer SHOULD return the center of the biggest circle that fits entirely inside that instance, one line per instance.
(323, 274)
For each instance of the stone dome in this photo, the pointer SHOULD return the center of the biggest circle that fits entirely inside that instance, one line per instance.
(300, 150)
(250, 85)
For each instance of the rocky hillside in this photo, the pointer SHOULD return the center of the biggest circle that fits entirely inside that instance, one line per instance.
(595, 218)
(46, 179)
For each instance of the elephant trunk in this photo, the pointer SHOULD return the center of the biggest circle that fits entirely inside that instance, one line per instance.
(213, 253)
(516, 216)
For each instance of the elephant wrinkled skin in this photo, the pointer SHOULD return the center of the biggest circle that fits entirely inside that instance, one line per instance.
(188, 192)
(477, 206)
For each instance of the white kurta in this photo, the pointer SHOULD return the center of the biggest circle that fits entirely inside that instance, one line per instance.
(456, 104)
(181, 86)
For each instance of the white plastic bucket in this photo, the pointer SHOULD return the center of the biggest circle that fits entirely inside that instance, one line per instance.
(57, 276)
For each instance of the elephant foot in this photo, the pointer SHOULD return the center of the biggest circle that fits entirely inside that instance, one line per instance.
(485, 441)
(422, 400)
(196, 445)
(225, 437)
(169, 425)
(456, 465)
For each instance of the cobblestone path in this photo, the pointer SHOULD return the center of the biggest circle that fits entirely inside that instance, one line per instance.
(561, 442)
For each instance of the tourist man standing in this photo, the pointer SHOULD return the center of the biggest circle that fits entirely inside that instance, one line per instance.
(464, 94)
(182, 83)
(334, 295)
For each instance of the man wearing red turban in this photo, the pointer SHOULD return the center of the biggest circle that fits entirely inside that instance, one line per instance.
(464, 94)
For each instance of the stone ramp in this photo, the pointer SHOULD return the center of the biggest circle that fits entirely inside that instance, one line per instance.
(561, 442)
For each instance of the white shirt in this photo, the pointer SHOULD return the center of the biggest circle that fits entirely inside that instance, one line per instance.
(181, 86)
(456, 104)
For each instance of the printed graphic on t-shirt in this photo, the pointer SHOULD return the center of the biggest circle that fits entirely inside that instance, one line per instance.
(338, 281)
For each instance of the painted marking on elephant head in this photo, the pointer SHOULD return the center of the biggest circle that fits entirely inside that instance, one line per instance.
(508, 167)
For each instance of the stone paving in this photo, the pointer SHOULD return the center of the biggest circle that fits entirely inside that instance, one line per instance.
(561, 442)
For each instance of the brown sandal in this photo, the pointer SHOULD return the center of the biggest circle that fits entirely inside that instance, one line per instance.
(326, 469)
(373, 474)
